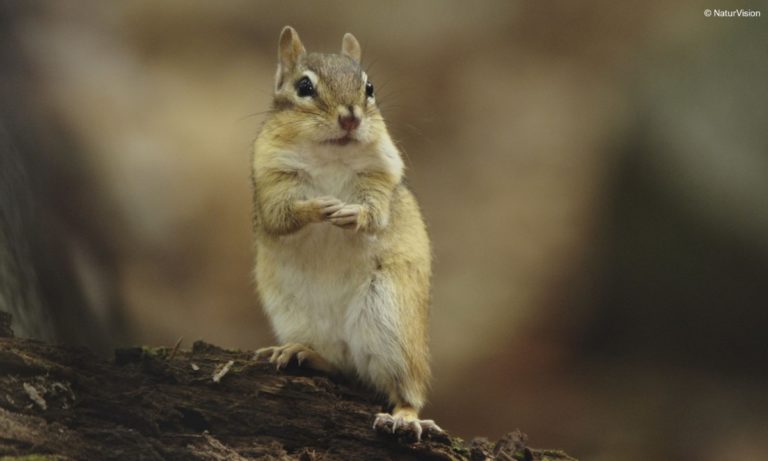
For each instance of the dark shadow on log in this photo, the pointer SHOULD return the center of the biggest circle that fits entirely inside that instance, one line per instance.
(63, 402)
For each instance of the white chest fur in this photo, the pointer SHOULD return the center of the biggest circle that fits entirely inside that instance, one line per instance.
(321, 273)
(332, 176)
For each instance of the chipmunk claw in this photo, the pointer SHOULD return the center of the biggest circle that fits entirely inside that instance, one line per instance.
(281, 356)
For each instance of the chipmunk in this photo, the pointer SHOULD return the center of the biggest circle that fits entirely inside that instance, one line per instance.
(343, 259)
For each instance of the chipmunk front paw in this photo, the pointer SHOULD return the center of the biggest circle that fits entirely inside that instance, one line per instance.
(348, 217)
(325, 206)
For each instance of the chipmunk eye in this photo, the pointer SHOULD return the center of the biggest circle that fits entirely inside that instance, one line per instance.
(304, 87)
(369, 89)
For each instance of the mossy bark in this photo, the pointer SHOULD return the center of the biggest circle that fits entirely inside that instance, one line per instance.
(62, 403)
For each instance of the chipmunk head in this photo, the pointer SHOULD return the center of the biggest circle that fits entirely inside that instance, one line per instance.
(324, 98)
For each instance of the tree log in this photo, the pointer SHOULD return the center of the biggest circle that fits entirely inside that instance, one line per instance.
(207, 403)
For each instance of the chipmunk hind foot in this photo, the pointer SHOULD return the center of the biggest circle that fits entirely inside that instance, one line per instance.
(405, 419)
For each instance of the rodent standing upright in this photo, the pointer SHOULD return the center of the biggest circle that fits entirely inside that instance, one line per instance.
(343, 259)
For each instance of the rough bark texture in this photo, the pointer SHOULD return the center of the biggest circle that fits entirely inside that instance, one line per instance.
(63, 403)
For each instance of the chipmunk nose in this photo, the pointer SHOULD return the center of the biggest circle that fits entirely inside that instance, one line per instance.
(349, 122)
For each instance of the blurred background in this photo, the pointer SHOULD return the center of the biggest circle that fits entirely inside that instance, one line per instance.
(594, 176)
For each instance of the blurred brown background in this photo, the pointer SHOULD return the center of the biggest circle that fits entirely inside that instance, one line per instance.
(594, 176)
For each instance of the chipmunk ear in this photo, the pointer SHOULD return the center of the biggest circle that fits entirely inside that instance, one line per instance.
(350, 47)
(288, 51)
(290, 47)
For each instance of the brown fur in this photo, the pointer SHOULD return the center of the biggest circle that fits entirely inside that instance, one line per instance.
(286, 204)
